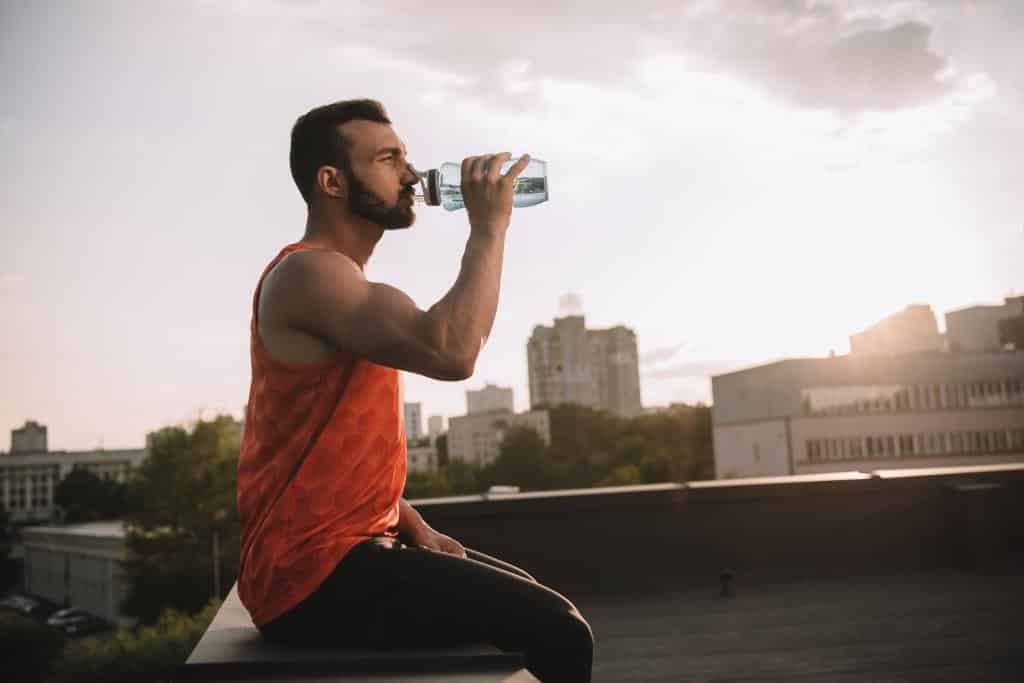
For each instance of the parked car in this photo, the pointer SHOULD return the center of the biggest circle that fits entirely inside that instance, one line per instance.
(67, 615)
(30, 606)
(81, 625)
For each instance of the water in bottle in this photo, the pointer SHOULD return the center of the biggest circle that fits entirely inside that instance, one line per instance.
(443, 186)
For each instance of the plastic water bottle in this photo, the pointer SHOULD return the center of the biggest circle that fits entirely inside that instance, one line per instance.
(442, 186)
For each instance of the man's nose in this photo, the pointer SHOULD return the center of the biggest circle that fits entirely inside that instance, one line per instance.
(411, 174)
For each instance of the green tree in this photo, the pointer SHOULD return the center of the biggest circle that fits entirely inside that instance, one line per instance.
(426, 485)
(623, 475)
(522, 462)
(463, 477)
(85, 497)
(181, 508)
(442, 450)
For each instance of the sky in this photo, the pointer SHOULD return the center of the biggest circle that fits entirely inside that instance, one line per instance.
(737, 182)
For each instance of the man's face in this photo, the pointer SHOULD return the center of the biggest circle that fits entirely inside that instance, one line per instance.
(380, 181)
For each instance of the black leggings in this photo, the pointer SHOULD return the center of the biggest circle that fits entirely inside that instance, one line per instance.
(385, 594)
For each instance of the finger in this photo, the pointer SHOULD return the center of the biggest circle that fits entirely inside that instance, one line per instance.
(467, 166)
(517, 168)
(494, 165)
(479, 166)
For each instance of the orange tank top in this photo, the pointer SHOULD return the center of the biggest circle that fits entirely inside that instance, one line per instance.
(321, 468)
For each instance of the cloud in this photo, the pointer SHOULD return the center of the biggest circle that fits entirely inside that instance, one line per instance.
(845, 57)
(660, 355)
(821, 56)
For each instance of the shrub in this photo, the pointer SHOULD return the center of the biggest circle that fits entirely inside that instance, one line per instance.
(146, 653)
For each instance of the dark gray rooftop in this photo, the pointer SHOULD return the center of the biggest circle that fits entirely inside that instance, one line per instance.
(950, 627)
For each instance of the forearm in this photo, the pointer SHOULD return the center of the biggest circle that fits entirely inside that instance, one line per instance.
(466, 313)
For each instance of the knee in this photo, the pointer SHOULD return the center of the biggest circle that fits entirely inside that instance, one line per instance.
(575, 632)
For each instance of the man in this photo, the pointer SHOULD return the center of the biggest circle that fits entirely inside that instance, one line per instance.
(331, 553)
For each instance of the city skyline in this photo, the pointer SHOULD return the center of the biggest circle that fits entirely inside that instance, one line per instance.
(736, 185)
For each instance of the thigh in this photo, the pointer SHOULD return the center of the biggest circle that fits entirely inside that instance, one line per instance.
(423, 597)
(495, 562)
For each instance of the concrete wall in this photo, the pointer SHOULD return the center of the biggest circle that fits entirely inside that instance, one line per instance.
(656, 538)
(752, 449)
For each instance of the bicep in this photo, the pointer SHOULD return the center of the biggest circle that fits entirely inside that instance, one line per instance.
(373, 320)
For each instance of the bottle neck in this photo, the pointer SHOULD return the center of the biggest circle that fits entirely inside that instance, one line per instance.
(426, 190)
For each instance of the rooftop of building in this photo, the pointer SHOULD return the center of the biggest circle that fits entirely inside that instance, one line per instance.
(875, 358)
(58, 455)
(104, 529)
(857, 576)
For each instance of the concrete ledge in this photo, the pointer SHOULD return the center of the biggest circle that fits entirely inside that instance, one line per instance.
(232, 649)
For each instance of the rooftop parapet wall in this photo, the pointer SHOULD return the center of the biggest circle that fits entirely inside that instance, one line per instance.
(635, 539)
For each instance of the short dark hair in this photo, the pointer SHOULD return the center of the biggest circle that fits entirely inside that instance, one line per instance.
(317, 142)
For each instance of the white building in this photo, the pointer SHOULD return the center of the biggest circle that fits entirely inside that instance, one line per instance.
(28, 481)
(976, 328)
(421, 459)
(869, 412)
(78, 564)
(413, 421)
(489, 399)
(435, 427)
(476, 439)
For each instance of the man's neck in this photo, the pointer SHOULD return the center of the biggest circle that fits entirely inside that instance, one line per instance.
(353, 236)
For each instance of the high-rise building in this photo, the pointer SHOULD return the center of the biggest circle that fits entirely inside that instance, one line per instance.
(869, 412)
(912, 329)
(488, 399)
(571, 364)
(976, 328)
(413, 421)
(435, 427)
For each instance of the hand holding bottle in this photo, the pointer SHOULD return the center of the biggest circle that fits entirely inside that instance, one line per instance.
(442, 186)
(486, 192)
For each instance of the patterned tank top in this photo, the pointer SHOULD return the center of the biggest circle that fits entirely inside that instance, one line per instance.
(322, 467)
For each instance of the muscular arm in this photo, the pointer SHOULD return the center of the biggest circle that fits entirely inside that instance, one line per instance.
(326, 294)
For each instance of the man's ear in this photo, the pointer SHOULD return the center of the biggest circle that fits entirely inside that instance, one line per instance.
(332, 182)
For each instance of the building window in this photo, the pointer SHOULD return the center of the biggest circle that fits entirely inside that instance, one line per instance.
(1000, 441)
(956, 442)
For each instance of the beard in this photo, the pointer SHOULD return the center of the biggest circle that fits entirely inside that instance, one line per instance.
(364, 202)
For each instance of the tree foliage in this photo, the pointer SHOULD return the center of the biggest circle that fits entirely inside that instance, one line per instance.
(179, 498)
(147, 653)
(85, 497)
(588, 448)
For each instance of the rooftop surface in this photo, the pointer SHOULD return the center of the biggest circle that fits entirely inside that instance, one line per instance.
(944, 627)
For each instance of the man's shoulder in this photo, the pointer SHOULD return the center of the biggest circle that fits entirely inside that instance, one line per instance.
(309, 269)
